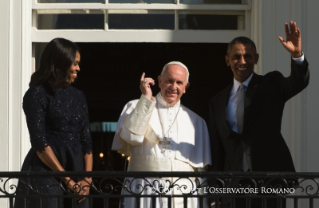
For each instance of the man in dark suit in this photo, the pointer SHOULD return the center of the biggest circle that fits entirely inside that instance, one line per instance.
(245, 117)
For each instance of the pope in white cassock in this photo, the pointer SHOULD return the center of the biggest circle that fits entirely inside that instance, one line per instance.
(160, 134)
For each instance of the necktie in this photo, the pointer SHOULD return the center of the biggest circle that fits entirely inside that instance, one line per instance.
(240, 118)
(240, 108)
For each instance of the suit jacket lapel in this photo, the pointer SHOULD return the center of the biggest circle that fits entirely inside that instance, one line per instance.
(223, 104)
(252, 88)
(249, 95)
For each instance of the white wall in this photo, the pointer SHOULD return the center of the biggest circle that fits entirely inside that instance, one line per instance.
(5, 102)
(301, 116)
(299, 120)
(312, 103)
(14, 66)
(4, 84)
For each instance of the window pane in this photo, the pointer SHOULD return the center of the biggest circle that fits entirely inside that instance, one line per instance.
(141, 21)
(70, 21)
(207, 22)
(211, 1)
(71, 1)
(142, 1)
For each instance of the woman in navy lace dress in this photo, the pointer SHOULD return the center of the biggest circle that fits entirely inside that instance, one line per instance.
(57, 119)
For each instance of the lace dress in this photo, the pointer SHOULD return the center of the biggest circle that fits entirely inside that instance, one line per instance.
(59, 119)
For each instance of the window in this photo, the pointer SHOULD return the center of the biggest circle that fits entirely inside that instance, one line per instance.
(141, 20)
(112, 29)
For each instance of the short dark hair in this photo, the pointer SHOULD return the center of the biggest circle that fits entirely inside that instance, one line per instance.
(242, 40)
(56, 59)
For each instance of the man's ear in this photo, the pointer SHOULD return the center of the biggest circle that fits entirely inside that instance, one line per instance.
(187, 86)
(159, 79)
(227, 60)
(256, 58)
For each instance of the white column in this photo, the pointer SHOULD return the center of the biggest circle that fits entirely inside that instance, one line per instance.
(4, 83)
(15, 59)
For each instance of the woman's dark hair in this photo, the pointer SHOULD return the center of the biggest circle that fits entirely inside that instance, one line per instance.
(56, 59)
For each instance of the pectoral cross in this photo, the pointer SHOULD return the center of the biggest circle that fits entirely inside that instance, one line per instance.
(164, 143)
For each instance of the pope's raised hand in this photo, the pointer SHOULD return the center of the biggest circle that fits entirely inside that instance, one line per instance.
(293, 39)
(145, 86)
